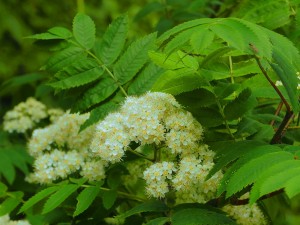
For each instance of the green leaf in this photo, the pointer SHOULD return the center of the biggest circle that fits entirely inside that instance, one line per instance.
(287, 74)
(250, 34)
(84, 30)
(85, 199)
(179, 40)
(174, 82)
(279, 181)
(288, 165)
(215, 55)
(64, 58)
(99, 113)
(195, 216)
(96, 94)
(201, 39)
(239, 106)
(133, 58)
(145, 79)
(81, 73)
(10, 203)
(7, 169)
(244, 159)
(113, 40)
(176, 61)
(227, 152)
(44, 36)
(208, 117)
(109, 198)
(270, 14)
(52, 34)
(232, 36)
(158, 221)
(3, 189)
(181, 28)
(19, 158)
(293, 186)
(61, 32)
(150, 206)
(57, 198)
(38, 197)
(250, 171)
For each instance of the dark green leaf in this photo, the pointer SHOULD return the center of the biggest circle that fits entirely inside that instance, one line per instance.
(38, 197)
(150, 206)
(113, 40)
(109, 198)
(85, 199)
(197, 216)
(84, 30)
(145, 80)
(96, 94)
(83, 72)
(57, 198)
(158, 221)
(239, 106)
(133, 58)
(99, 113)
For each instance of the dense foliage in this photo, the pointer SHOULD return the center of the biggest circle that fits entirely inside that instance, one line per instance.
(177, 112)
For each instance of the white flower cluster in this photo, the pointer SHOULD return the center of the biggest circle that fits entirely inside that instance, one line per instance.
(157, 118)
(24, 116)
(156, 177)
(5, 220)
(60, 150)
(246, 214)
(152, 118)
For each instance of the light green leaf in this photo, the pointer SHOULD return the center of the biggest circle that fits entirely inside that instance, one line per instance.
(133, 58)
(85, 199)
(175, 61)
(10, 203)
(292, 187)
(279, 181)
(3, 189)
(256, 191)
(227, 152)
(113, 40)
(251, 170)
(84, 30)
(201, 39)
(38, 197)
(57, 198)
